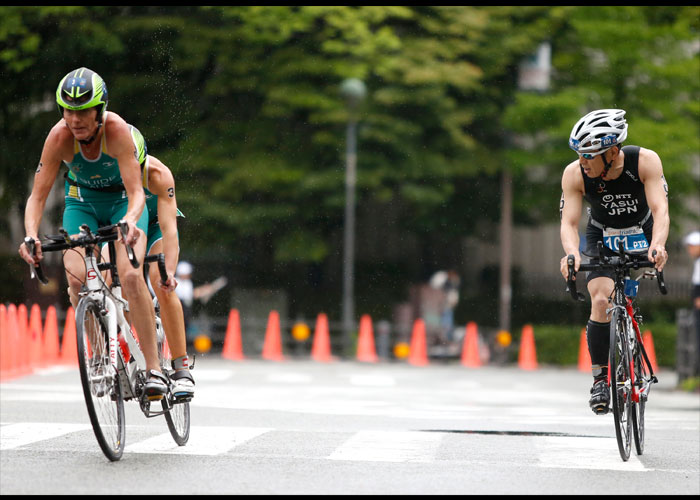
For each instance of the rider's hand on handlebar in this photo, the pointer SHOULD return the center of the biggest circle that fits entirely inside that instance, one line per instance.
(564, 267)
(660, 258)
(133, 233)
(169, 285)
(27, 256)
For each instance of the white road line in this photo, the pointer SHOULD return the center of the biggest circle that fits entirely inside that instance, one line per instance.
(203, 441)
(584, 453)
(289, 378)
(212, 375)
(15, 435)
(373, 380)
(380, 446)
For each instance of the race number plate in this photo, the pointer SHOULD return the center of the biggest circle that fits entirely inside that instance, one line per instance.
(632, 239)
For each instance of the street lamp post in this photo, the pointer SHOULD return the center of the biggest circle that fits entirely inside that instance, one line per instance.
(353, 91)
(533, 75)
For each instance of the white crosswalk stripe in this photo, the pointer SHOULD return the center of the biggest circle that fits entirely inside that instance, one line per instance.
(566, 452)
(374, 446)
(362, 446)
(203, 441)
(21, 434)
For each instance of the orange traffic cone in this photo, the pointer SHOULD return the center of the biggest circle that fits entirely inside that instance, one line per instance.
(365, 341)
(16, 367)
(34, 336)
(527, 357)
(321, 347)
(50, 345)
(470, 346)
(272, 349)
(6, 368)
(419, 352)
(584, 357)
(69, 345)
(649, 348)
(23, 344)
(233, 344)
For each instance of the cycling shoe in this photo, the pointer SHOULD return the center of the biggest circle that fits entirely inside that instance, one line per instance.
(600, 397)
(183, 384)
(156, 386)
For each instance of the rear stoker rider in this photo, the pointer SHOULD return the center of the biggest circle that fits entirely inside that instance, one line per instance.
(627, 193)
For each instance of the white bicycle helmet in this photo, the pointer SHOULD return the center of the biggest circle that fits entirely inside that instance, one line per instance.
(598, 131)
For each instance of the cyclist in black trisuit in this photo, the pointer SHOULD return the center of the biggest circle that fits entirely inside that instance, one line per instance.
(628, 197)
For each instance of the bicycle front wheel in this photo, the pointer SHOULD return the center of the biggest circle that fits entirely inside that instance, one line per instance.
(642, 380)
(101, 388)
(621, 383)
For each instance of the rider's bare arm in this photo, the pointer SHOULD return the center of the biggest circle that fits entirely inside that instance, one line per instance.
(121, 147)
(571, 204)
(162, 184)
(651, 173)
(46, 172)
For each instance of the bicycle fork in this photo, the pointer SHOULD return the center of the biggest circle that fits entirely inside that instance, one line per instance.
(640, 387)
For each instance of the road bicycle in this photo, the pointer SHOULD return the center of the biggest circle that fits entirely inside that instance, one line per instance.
(111, 364)
(630, 374)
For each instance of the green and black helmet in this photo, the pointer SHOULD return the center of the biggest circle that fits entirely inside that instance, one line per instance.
(82, 89)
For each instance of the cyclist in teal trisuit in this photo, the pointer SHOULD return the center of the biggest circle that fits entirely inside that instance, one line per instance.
(627, 193)
(103, 186)
(159, 186)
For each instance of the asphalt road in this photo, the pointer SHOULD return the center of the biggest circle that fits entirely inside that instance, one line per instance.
(301, 427)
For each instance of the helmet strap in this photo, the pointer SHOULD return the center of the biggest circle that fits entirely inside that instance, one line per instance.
(608, 165)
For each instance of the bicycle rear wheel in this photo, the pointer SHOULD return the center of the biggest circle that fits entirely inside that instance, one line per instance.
(621, 383)
(101, 388)
(177, 415)
(642, 380)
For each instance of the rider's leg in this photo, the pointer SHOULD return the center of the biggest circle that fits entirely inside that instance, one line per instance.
(74, 264)
(75, 214)
(174, 326)
(171, 309)
(140, 304)
(598, 328)
(598, 336)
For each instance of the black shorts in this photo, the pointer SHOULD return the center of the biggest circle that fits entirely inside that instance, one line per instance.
(595, 234)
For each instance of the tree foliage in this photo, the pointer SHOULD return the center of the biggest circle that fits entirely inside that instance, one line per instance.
(243, 104)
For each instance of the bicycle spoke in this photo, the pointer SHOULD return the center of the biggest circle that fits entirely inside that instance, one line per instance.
(101, 387)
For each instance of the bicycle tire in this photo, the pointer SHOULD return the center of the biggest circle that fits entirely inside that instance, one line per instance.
(101, 387)
(620, 383)
(177, 415)
(642, 377)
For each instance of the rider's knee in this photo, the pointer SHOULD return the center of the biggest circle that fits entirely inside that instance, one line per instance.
(599, 305)
(131, 279)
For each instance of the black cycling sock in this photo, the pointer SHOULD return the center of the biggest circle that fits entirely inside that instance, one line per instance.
(598, 336)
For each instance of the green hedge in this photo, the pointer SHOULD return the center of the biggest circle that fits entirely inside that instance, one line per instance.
(559, 344)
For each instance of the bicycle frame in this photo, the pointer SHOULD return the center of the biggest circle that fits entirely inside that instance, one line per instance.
(630, 374)
(102, 312)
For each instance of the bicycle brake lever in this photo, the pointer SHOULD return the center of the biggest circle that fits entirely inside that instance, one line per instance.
(35, 271)
(660, 278)
(570, 282)
(124, 230)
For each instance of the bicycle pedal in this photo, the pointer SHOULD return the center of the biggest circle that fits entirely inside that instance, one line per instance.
(600, 409)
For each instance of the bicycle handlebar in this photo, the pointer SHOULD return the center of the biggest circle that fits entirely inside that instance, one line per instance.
(623, 261)
(160, 259)
(84, 239)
